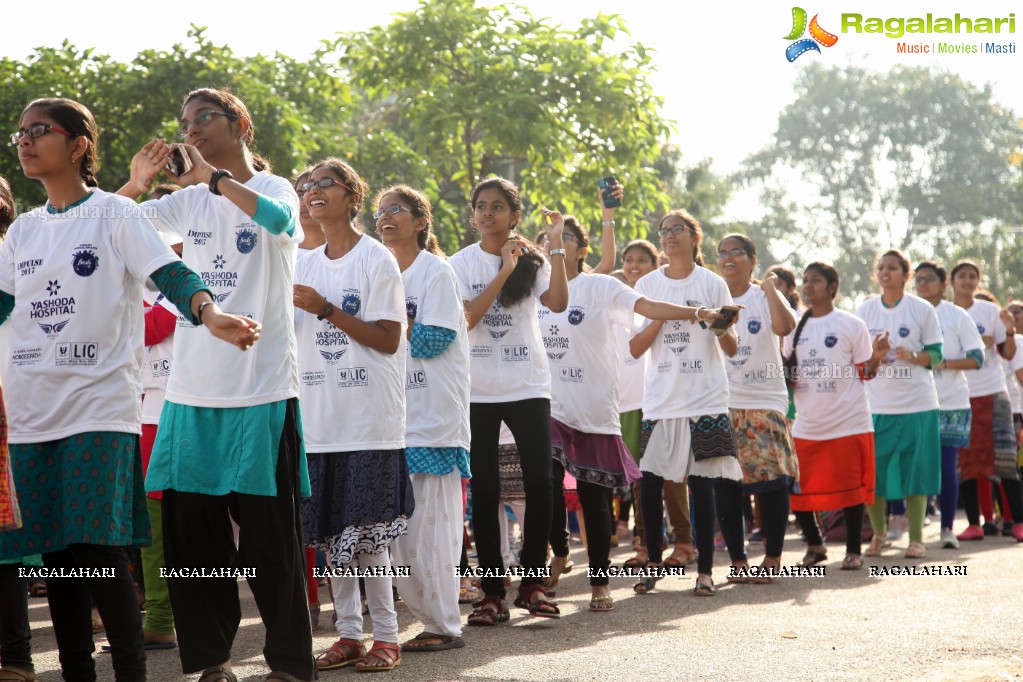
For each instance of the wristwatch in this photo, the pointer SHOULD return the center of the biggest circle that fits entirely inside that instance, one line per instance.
(555, 252)
(215, 178)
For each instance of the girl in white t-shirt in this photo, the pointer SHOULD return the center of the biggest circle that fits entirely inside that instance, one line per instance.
(757, 397)
(685, 403)
(76, 267)
(311, 231)
(351, 359)
(229, 447)
(436, 421)
(963, 352)
(828, 357)
(583, 353)
(501, 280)
(992, 450)
(903, 402)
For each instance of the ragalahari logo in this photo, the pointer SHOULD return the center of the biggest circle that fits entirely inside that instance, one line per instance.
(817, 35)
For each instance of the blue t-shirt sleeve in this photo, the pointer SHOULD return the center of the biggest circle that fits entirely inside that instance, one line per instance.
(429, 341)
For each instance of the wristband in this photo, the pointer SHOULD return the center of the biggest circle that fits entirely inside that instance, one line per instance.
(215, 178)
(607, 223)
(326, 311)
(555, 252)
(202, 307)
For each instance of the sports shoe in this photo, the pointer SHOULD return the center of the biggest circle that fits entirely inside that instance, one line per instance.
(1008, 529)
(948, 539)
(972, 533)
(916, 550)
(756, 536)
(990, 528)
(897, 528)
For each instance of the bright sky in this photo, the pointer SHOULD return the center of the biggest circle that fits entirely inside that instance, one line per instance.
(721, 67)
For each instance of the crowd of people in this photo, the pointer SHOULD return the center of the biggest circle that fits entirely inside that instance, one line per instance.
(351, 392)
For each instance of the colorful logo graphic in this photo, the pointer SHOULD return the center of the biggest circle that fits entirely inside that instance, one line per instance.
(817, 35)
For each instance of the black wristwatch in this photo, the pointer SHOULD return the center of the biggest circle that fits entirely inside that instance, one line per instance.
(215, 178)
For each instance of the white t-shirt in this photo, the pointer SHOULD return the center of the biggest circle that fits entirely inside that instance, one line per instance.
(76, 332)
(583, 352)
(507, 361)
(990, 378)
(156, 368)
(250, 272)
(902, 387)
(353, 397)
(831, 400)
(751, 386)
(633, 370)
(436, 389)
(685, 374)
(1010, 367)
(959, 334)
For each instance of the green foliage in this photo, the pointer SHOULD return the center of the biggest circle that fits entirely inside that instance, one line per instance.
(897, 160)
(439, 98)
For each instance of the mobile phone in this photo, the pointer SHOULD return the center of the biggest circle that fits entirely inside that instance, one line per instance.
(179, 164)
(607, 192)
(728, 313)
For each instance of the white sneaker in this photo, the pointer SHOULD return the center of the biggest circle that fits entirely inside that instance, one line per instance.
(897, 528)
(949, 540)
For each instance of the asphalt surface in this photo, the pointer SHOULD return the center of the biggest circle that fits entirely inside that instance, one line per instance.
(845, 625)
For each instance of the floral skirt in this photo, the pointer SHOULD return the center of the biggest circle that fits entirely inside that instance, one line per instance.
(361, 502)
(766, 454)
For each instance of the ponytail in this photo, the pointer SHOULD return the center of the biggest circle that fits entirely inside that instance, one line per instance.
(790, 364)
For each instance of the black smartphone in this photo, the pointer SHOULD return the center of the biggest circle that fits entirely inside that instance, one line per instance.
(607, 196)
(728, 313)
(179, 163)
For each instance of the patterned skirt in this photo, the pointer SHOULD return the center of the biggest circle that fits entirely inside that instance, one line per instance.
(993, 450)
(596, 458)
(83, 489)
(766, 454)
(361, 502)
(955, 428)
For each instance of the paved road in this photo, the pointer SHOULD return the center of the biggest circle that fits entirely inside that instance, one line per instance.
(846, 625)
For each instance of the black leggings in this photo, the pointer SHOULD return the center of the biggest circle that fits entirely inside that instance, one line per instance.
(774, 518)
(529, 421)
(71, 613)
(595, 501)
(853, 528)
(15, 636)
(971, 499)
(712, 497)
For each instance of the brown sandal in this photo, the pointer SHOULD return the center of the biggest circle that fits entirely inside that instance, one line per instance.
(534, 599)
(386, 653)
(490, 610)
(342, 653)
(16, 675)
(219, 673)
(682, 555)
(638, 561)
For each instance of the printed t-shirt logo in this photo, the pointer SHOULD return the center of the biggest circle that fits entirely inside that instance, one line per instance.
(245, 240)
(830, 340)
(411, 308)
(753, 326)
(85, 261)
(556, 345)
(332, 357)
(903, 331)
(576, 316)
(53, 287)
(51, 330)
(351, 304)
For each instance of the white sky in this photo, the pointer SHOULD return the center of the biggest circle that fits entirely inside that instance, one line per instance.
(721, 67)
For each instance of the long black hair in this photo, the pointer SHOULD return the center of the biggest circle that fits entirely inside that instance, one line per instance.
(520, 284)
(76, 119)
(829, 273)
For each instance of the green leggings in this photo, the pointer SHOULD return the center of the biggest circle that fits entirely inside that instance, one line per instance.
(916, 508)
(159, 617)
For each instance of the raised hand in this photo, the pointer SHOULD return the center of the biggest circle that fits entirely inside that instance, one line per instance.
(511, 251)
(148, 164)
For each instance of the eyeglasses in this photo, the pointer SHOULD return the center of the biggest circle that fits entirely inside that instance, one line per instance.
(393, 209)
(734, 253)
(324, 183)
(926, 280)
(37, 130)
(674, 229)
(201, 120)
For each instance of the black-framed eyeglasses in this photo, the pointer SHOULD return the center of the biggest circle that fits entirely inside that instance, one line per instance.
(324, 183)
(201, 120)
(393, 209)
(674, 229)
(37, 130)
(734, 253)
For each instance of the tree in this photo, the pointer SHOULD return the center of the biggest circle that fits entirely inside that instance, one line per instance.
(891, 160)
(475, 91)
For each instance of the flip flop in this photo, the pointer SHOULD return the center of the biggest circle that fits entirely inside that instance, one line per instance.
(704, 590)
(446, 642)
(605, 603)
